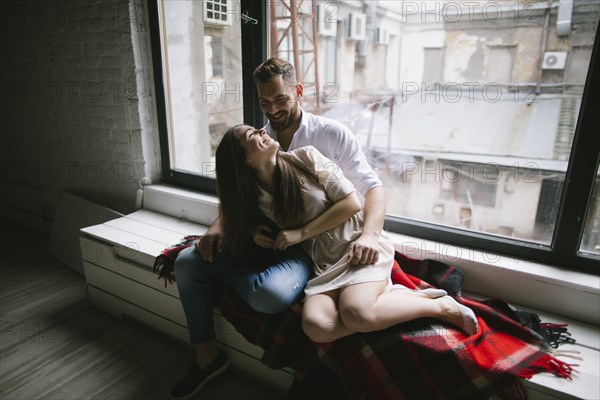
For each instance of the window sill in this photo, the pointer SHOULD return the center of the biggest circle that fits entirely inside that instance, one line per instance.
(538, 286)
(571, 294)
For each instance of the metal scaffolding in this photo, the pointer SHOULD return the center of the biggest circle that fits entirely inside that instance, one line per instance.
(301, 28)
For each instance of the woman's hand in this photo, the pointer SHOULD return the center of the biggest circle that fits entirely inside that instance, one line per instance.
(261, 238)
(288, 238)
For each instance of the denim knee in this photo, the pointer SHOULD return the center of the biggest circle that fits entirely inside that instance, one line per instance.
(271, 299)
(183, 264)
(190, 266)
(273, 291)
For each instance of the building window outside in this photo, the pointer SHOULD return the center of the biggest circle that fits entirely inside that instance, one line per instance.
(202, 75)
(217, 12)
(432, 65)
(471, 185)
(478, 142)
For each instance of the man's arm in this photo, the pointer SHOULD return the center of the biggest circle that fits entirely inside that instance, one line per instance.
(206, 243)
(366, 248)
(355, 166)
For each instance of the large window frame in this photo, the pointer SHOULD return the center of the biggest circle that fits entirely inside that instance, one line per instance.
(254, 51)
(577, 192)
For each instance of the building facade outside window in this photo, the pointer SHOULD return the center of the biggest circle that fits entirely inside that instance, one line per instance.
(467, 110)
(202, 75)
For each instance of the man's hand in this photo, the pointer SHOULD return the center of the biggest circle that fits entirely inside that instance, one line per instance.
(365, 250)
(261, 238)
(206, 243)
(288, 238)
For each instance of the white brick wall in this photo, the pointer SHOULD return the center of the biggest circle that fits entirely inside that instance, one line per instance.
(70, 115)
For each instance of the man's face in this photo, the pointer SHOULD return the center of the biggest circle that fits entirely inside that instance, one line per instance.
(279, 101)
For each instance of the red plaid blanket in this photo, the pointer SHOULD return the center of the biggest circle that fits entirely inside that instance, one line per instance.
(421, 359)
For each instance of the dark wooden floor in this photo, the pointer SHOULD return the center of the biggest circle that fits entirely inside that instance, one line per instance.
(55, 345)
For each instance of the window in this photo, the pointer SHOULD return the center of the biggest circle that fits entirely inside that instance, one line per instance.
(202, 71)
(432, 65)
(217, 12)
(198, 63)
(480, 140)
(469, 184)
(499, 64)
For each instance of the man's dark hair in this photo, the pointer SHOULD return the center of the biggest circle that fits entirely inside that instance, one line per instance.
(274, 67)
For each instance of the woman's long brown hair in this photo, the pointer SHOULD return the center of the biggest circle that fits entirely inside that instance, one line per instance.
(238, 191)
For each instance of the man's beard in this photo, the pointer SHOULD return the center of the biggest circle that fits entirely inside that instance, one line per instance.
(286, 122)
(283, 124)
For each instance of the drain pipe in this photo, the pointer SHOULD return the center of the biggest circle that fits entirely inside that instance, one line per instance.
(538, 88)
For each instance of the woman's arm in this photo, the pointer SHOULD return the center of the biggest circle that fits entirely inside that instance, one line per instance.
(335, 215)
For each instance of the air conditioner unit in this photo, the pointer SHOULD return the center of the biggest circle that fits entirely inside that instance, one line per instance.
(326, 19)
(357, 26)
(382, 36)
(217, 12)
(554, 60)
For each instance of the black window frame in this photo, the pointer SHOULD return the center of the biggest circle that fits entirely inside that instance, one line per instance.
(577, 190)
(254, 51)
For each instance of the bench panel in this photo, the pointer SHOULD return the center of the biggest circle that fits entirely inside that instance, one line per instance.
(105, 256)
(180, 226)
(128, 245)
(141, 295)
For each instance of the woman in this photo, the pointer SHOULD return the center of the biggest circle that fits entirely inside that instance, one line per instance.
(309, 198)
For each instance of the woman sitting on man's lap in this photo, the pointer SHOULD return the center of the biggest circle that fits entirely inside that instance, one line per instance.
(308, 197)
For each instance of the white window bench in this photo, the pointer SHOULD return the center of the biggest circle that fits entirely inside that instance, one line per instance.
(118, 256)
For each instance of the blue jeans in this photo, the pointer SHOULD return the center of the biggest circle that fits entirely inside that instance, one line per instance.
(268, 291)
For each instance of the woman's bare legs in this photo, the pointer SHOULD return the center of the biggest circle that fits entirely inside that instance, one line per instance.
(321, 318)
(365, 307)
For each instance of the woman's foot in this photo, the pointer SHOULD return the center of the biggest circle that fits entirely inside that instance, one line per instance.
(459, 315)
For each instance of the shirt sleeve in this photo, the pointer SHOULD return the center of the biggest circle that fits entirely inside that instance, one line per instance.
(350, 157)
(329, 175)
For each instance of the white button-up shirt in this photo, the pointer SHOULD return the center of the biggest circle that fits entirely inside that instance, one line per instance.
(336, 142)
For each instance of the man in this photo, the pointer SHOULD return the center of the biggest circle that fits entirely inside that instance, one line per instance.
(275, 288)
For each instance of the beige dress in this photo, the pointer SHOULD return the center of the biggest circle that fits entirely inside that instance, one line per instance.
(329, 250)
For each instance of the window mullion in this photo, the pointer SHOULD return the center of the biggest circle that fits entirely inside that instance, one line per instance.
(158, 86)
(583, 167)
(254, 51)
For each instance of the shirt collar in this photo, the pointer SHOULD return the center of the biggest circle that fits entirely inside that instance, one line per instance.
(303, 125)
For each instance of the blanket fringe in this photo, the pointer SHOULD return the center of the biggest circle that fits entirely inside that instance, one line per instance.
(164, 264)
(567, 353)
(548, 363)
(556, 334)
(553, 335)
